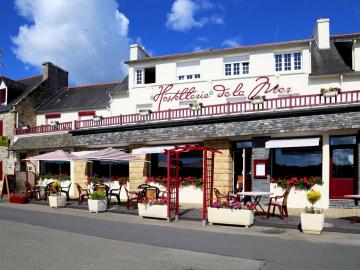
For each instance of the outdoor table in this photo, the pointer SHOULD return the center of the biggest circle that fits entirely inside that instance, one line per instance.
(356, 198)
(256, 195)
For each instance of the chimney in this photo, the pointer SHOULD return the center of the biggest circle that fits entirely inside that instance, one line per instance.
(56, 76)
(137, 52)
(321, 34)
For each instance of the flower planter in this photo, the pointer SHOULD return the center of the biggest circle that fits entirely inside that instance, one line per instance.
(57, 201)
(330, 94)
(258, 100)
(96, 206)
(229, 216)
(151, 210)
(18, 200)
(312, 223)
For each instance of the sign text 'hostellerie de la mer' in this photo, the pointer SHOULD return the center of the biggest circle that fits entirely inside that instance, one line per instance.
(263, 86)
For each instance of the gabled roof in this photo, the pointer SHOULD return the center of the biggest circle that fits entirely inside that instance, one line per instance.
(18, 89)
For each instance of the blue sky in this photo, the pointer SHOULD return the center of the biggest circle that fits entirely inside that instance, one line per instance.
(90, 38)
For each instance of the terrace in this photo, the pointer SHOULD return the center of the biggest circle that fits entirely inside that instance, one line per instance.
(246, 107)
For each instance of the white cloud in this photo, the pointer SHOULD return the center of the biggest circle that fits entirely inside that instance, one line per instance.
(87, 38)
(232, 42)
(182, 15)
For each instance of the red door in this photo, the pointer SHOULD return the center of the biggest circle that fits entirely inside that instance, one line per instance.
(342, 171)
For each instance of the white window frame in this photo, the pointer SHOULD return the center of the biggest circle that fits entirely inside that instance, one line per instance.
(283, 66)
(236, 69)
(141, 81)
(297, 64)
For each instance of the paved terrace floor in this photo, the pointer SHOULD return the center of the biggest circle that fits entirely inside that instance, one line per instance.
(336, 219)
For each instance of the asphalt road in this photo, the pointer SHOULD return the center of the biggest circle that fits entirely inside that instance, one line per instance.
(40, 240)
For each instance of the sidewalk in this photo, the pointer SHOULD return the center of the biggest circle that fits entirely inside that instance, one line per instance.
(336, 220)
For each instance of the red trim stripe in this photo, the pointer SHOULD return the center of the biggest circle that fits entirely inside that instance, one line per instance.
(53, 115)
(86, 113)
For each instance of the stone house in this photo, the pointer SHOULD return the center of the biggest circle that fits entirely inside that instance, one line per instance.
(18, 100)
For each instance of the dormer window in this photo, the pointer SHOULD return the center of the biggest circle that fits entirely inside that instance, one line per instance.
(188, 70)
(3, 96)
(287, 62)
(145, 75)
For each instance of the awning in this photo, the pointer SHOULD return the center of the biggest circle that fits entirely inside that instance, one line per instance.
(58, 155)
(151, 150)
(109, 154)
(307, 142)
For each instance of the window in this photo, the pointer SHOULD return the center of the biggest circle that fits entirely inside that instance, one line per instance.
(145, 75)
(287, 61)
(188, 70)
(190, 164)
(305, 161)
(278, 62)
(2, 96)
(110, 168)
(297, 61)
(139, 76)
(245, 68)
(1, 129)
(227, 69)
(292, 61)
(236, 68)
(342, 140)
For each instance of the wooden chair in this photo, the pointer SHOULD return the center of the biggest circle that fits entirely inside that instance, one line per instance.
(65, 188)
(132, 196)
(32, 192)
(281, 203)
(83, 193)
(222, 197)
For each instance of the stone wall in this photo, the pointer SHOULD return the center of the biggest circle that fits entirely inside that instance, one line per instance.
(138, 172)
(7, 158)
(79, 170)
(223, 166)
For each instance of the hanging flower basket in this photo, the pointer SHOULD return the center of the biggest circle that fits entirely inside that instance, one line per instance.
(54, 124)
(330, 92)
(196, 106)
(145, 112)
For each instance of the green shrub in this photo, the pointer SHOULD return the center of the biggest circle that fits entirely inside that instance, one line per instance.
(312, 196)
(98, 195)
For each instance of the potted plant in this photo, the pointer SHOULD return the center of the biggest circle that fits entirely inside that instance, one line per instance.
(233, 213)
(156, 208)
(258, 99)
(196, 106)
(54, 124)
(145, 112)
(97, 202)
(330, 92)
(97, 118)
(18, 198)
(312, 220)
(56, 199)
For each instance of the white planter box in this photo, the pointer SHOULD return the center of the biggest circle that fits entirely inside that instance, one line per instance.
(57, 201)
(189, 194)
(312, 223)
(155, 211)
(229, 216)
(96, 206)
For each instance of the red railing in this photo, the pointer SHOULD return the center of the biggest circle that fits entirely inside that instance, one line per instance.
(281, 103)
(66, 126)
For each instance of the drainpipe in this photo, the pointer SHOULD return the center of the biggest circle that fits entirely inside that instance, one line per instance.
(353, 54)
(310, 52)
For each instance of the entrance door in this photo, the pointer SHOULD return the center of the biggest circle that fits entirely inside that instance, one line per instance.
(242, 169)
(342, 171)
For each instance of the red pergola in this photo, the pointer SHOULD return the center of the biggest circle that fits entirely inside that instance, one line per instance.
(173, 156)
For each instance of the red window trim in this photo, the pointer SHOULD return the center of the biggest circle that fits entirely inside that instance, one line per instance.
(86, 113)
(53, 115)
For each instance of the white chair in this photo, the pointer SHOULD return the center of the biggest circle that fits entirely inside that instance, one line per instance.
(115, 190)
(65, 188)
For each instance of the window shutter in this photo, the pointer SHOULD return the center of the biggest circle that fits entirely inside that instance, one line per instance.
(1, 128)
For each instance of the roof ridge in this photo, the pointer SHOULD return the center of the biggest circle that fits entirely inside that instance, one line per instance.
(346, 35)
(93, 84)
(27, 78)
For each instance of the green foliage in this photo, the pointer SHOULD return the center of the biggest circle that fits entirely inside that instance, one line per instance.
(55, 188)
(313, 197)
(98, 195)
(300, 183)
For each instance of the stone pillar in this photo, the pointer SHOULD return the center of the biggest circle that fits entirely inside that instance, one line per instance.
(223, 165)
(259, 184)
(138, 171)
(79, 175)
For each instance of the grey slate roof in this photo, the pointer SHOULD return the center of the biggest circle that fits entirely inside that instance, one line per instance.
(80, 98)
(57, 141)
(19, 89)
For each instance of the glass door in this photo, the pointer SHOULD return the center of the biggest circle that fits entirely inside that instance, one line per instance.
(342, 166)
